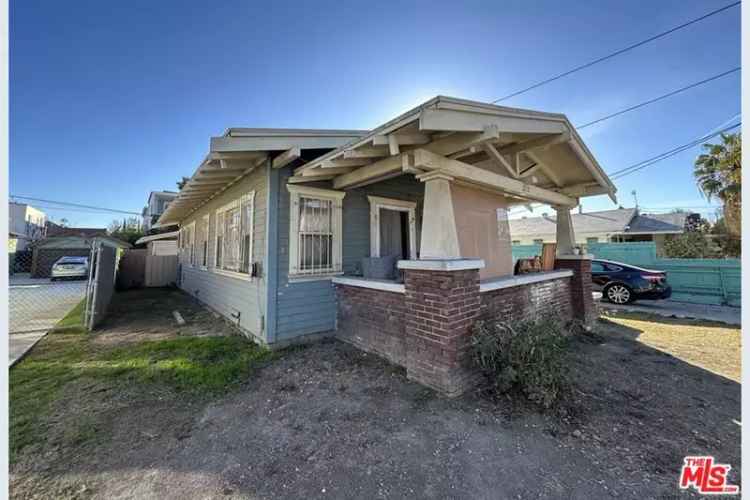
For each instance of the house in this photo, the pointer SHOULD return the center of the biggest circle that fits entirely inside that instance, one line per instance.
(619, 225)
(394, 239)
(72, 242)
(26, 224)
(160, 244)
(158, 201)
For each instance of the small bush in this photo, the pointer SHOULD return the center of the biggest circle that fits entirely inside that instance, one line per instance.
(527, 357)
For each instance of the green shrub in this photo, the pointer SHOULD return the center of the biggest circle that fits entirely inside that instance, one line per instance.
(526, 357)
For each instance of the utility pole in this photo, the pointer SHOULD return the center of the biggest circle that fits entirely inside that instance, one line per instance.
(635, 197)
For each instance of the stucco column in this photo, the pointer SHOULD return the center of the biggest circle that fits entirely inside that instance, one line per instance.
(439, 234)
(565, 236)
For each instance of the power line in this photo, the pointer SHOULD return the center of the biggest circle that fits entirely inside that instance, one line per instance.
(661, 97)
(663, 156)
(65, 203)
(618, 52)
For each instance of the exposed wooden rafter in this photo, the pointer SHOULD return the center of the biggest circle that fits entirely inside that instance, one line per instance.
(499, 159)
(540, 142)
(366, 152)
(429, 161)
(286, 157)
(404, 139)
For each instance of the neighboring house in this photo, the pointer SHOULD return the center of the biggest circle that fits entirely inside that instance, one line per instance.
(26, 223)
(160, 244)
(72, 242)
(158, 201)
(394, 239)
(620, 225)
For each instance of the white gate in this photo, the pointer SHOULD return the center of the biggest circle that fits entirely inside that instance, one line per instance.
(101, 284)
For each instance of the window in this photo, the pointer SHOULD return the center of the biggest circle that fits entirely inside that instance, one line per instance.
(201, 234)
(187, 244)
(597, 267)
(314, 231)
(516, 242)
(538, 241)
(234, 235)
(590, 241)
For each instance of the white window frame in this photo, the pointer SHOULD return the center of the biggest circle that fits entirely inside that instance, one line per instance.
(336, 197)
(188, 247)
(216, 266)
(376, 204)
(205, 221)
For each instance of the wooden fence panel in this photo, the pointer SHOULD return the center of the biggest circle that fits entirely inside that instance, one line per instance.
(132, 269)
(161, 270)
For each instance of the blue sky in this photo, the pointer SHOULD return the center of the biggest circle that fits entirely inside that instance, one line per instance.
(110, 100)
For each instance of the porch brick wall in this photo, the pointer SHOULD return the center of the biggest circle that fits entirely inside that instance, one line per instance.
(372, 320)
(528, 302)
(582, 301)
(442, 307)
(427, 329)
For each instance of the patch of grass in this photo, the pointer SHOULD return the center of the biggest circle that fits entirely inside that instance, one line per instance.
(713, 346)
(72, 322)
(198, 366)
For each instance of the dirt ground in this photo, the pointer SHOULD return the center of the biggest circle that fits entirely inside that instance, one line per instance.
(328, 421)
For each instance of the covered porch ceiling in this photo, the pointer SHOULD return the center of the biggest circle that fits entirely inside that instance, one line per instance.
(240, 151)
(526, 155)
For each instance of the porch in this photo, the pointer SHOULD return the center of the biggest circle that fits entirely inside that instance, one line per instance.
(432, 264)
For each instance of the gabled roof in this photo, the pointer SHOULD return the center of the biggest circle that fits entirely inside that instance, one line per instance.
(618, 221)
(606, 221)
(658, 223)
(79, 241)
(86, 232)
(560, 160)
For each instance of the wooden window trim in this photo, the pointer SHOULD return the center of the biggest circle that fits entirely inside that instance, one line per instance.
(237, 202)
(410, 207)
(336, 197)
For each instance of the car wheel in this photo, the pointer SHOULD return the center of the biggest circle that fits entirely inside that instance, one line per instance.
(618, 293)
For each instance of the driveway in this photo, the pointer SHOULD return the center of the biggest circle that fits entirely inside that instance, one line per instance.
(682, 310)
(35, 306)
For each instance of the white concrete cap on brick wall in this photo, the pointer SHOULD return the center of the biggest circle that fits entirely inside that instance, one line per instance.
(441, 264)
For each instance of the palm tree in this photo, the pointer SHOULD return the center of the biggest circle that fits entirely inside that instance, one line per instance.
(718, 172)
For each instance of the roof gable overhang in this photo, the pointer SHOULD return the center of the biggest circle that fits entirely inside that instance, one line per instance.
(518, 151)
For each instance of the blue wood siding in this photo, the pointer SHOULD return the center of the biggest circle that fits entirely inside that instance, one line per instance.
(229, 295)
(307, 307)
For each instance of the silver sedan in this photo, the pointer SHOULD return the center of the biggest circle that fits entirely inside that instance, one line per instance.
(70, 267)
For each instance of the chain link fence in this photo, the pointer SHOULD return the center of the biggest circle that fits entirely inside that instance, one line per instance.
(60, 288)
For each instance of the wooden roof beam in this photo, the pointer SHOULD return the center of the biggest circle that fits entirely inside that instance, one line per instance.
(540, 142)
(426, 160)
(286, 157)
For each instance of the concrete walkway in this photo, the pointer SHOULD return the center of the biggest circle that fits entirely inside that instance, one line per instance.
(670, 308)
(21, 343)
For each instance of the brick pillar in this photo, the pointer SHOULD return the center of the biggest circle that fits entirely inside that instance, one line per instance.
(442, 302)
(582, 301)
